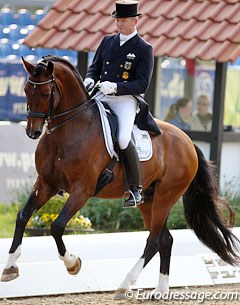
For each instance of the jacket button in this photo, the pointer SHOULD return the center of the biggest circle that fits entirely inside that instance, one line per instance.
(105, 72)
(107, 62)
(121, 66)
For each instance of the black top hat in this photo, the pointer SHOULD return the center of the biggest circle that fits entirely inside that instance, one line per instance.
(126, 9)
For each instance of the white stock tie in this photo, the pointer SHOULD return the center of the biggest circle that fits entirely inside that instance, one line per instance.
(123, 39)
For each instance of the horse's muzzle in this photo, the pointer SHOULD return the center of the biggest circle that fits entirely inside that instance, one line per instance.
(33, 134)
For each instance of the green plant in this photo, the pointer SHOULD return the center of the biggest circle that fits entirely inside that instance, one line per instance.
(176, 219)
(235, 205)
(109, 216)
(7, 219)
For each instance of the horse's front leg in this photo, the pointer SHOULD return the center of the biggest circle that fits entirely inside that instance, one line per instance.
(74, 203)
(40, 194)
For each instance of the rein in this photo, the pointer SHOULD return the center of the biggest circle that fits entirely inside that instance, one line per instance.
(48, 116)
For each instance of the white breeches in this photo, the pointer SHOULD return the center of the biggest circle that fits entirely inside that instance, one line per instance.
(125, 107)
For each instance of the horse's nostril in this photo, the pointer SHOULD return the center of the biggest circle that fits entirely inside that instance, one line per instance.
(34, 135)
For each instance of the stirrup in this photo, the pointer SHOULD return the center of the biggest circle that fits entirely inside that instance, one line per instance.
(130, 205)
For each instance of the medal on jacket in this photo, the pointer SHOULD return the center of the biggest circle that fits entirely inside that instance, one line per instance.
(127, 65)
(131, 56)
(125, 75)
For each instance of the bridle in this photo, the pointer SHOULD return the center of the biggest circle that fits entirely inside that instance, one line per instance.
(49, 116)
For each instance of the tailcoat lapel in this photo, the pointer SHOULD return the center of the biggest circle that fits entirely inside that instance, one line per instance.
(117, 51)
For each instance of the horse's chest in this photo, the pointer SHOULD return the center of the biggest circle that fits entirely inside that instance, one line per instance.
(62, 160)
(57, 163)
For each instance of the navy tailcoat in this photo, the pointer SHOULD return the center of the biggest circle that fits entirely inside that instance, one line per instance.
(130, 66)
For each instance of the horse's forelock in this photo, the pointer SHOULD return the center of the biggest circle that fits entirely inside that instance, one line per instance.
(38, 70)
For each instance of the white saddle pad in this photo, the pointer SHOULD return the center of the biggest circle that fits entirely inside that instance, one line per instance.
(140, 137)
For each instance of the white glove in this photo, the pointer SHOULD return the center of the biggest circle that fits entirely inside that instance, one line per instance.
(107, 87)
(88, 83)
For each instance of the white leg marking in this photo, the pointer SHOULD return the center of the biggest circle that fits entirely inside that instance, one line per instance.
(133, 275)
(69, 259)
(13, 258)
(163, 284)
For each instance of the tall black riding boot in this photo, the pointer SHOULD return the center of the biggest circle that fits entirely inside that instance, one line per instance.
(132, 166)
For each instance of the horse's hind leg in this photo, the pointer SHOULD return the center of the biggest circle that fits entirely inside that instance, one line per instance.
(150, 250)
(38, 197)
(165, 249)
(159, 213)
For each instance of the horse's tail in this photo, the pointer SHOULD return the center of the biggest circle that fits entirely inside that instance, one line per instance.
(202, 211)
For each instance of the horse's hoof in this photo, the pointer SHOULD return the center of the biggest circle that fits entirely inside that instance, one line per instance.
(9, 274)
(122, 294)
(75, 268)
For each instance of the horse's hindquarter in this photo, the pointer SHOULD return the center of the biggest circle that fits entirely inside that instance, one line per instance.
(176, 155)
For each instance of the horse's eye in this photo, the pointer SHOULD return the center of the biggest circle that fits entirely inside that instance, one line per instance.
(46, 96)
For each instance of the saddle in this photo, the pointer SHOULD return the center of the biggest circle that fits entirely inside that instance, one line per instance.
(141, 138)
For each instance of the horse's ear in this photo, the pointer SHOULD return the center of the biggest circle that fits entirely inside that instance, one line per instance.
(27, 66)
(50, 68)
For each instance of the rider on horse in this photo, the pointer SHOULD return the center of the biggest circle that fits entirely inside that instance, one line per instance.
(124, 63)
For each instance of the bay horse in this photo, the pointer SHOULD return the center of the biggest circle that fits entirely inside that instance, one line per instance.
(71, 155)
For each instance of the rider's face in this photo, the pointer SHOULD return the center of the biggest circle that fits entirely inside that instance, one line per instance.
(126, 25)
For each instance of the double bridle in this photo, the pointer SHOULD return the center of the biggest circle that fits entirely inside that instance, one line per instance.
(49, 116)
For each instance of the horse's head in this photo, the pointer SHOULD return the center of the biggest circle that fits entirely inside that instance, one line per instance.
(40, 91)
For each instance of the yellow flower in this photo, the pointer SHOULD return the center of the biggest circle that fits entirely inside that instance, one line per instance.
(53, 217)
(45, 217)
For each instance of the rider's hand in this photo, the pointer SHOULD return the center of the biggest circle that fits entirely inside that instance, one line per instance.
(107, 87)
(88, 83)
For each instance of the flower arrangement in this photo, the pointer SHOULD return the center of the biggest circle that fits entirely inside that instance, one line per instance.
(78, 222)
(40, 223)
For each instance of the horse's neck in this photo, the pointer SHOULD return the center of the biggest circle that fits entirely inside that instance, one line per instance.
(76, 117)
(74, 98)
(72, 90)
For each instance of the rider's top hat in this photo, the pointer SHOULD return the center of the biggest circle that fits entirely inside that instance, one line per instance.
(126, 9)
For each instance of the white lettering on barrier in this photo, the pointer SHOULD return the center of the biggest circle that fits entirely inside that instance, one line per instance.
(27, 161)
(4, 85)
(19, 108)
(14, 183)
(14, 83)
(17, 85)
(22, 160)
(8, 159)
